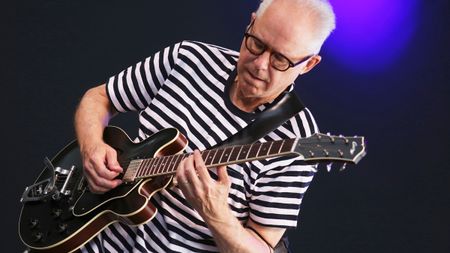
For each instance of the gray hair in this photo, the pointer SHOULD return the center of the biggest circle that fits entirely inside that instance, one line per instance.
(321, 10)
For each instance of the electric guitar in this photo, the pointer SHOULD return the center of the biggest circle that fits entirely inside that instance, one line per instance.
(60, 214)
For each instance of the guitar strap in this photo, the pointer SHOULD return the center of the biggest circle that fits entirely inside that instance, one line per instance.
(267, 121)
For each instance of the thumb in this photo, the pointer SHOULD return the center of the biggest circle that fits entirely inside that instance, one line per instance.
(111, 161)
(222, 175)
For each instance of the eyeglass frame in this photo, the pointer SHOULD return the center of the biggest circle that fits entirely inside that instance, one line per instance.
(271, 51)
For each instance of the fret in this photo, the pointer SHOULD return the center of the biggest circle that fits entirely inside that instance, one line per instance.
(270, 146)
(218, 156)
(275, 147)
(178, 161)
(204, 154)
(226, 154)
(254, 148)
(162, 165)
(150, 170)
(287, 145)
(210, 156)
(244, 152)
(234, 154)
(264, 150)
(167, 164)
(132, 170)
(173, 163)
(139, 169)
(155, 167)
(281, 145)
(146, 166)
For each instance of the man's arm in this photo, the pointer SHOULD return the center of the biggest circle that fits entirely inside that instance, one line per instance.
(209, 199)
(99, 159)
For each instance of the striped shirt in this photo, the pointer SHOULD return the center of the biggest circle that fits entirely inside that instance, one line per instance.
(186, 86)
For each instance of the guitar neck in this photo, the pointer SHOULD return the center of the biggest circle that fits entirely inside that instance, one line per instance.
(166, 165)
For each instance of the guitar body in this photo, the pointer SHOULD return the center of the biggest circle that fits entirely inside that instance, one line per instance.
(60, 214)
(64, 222)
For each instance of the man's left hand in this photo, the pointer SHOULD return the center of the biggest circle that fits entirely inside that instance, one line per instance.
(206, 195)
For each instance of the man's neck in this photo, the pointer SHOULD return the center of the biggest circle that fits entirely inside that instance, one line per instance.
(246, 104)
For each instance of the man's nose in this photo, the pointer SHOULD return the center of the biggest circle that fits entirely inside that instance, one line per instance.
(262, 61)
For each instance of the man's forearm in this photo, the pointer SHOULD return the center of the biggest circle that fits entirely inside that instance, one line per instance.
(92, 115)
(231, 236)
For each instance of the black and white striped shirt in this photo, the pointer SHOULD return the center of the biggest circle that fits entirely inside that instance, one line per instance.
(186, 86)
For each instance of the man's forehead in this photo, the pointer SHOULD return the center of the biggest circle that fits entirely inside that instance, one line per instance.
(291, 39)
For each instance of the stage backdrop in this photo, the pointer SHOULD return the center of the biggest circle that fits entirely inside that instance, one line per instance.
(395, 200)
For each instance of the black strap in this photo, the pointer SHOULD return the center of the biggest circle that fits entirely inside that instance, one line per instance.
(267, 121)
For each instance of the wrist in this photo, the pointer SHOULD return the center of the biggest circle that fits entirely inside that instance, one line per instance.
(220, 218)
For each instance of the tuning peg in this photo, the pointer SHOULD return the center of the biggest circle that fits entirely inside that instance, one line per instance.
(343, 167)
(314, 167)
(331, 137)
(329, 167)
(354, 145)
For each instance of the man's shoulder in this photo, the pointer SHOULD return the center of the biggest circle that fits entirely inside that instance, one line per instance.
(301, 124)
(198, 45)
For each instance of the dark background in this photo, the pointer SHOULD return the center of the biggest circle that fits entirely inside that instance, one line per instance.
(395, 200)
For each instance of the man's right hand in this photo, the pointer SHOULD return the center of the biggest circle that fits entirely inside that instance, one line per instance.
(100, 167)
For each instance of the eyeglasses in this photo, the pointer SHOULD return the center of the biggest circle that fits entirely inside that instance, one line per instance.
(277, 60)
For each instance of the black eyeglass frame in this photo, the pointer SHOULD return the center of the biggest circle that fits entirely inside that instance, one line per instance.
(247, 34)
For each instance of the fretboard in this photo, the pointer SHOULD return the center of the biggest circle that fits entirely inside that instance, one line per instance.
(144, 168)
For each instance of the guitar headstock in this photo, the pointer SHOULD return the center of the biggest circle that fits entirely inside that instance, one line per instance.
(331, 148)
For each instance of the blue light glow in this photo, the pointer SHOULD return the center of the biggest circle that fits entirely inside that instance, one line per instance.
(371, 34)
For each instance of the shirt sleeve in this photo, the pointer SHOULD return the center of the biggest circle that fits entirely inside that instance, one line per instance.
(134, 88)
(277, 195)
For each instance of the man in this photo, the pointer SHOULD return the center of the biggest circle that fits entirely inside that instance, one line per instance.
(209, 93)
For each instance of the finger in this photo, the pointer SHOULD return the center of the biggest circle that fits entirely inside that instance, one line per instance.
(95, 188)
(106, 183)
(200, 167)
(98, 180)
(179, 175)
(185, 180)
(111, 161)
(222, 175)
(174, 181)
(190, 171)
(101, 168)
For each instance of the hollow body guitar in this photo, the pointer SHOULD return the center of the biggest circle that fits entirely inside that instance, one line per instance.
(60, 214)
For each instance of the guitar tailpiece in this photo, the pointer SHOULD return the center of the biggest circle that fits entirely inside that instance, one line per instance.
(48, 187)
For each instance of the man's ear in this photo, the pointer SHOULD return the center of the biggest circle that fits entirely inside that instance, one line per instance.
(252, 19)
(311, 63)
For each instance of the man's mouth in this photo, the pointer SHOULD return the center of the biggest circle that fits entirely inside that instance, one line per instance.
(257, 77)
